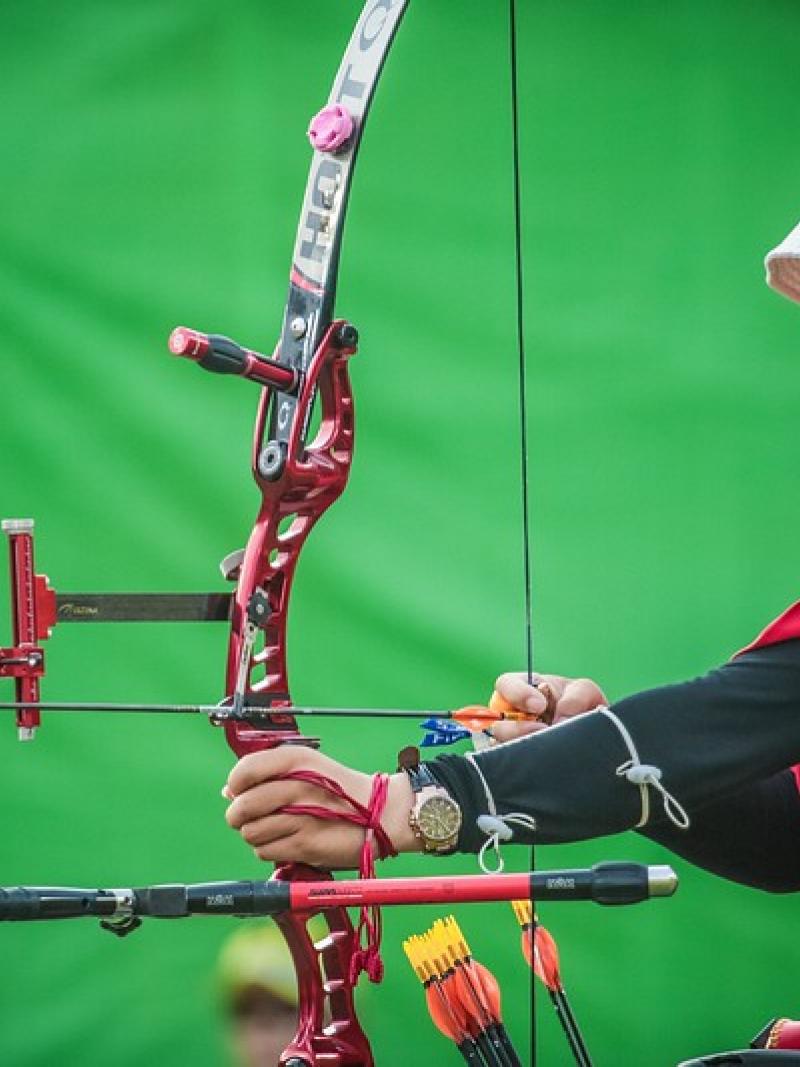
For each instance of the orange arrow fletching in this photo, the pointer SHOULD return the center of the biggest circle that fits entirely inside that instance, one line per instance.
(508, 711)
(477, 985)
(442, 1015)
(447, 1016)
(500, 704)
(505, 710)
(487, 984)
(477, 717)
(545, 959)
(526, 948)
(474, 717)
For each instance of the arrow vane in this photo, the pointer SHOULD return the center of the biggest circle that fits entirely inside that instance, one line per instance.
(448, 1016)
(541, 953)
(472, 1006)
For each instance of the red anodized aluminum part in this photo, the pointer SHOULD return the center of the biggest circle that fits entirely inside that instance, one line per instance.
(33, 606)
(314, 475)
(328, 1033)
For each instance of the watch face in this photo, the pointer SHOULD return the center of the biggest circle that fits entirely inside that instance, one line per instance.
(439, 818)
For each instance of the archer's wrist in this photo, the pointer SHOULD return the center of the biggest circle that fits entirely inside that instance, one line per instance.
(399, 803)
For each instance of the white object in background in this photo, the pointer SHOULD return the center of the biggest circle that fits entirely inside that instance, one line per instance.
(783, 266)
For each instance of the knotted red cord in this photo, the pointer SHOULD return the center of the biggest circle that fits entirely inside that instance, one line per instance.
(367, 956)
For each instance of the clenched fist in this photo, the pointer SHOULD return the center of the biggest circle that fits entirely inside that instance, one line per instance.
(259, 790)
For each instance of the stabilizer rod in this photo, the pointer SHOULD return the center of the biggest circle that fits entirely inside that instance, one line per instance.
(605, 883)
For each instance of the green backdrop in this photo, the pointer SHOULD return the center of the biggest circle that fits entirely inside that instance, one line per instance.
(153, 165)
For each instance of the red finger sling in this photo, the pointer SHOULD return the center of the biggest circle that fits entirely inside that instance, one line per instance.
(368, 932)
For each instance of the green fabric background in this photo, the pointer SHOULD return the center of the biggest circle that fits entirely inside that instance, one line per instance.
(153, 165)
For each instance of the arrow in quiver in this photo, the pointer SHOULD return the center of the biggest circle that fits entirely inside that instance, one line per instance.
(541, 954)
(463, 996)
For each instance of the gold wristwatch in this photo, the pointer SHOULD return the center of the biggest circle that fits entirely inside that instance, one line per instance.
(435, 817)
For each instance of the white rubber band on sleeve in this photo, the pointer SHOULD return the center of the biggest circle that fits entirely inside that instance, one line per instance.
(496, 827)
(645, 776)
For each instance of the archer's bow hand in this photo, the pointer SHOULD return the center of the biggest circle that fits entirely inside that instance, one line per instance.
(551, 699)
(294, 804)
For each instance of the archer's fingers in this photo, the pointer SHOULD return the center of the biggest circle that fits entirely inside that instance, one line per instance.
(580, 695)
(306, 847)
(258, 767)
(524, 697)
(517, 690)
(300, 838)
(270, 831)
(263, 800)
(281, 850)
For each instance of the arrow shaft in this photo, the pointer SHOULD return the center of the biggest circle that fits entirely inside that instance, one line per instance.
(223, 713)
(570, 1027)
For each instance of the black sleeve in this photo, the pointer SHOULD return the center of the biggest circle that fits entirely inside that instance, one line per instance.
(751, 836)
(721, 742)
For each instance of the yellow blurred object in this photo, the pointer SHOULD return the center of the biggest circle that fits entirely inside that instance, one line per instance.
(257, 957)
